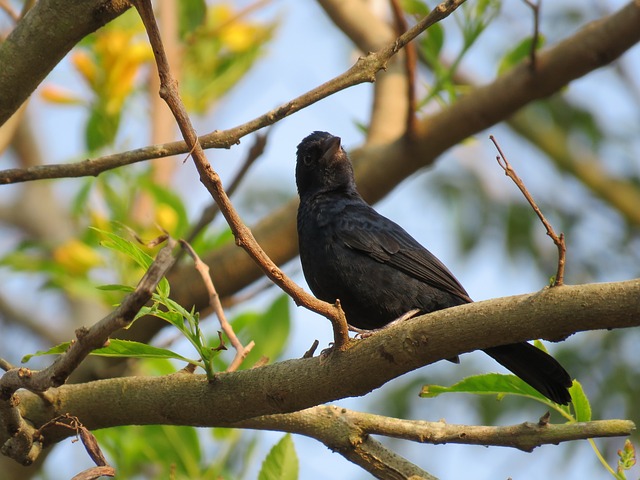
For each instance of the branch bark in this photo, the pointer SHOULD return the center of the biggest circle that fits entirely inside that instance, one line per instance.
(297, 384)
(355, 427)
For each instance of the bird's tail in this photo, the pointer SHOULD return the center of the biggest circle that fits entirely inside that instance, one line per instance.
(537, 368)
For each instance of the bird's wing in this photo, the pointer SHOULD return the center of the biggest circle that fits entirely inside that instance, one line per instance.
(383, 240)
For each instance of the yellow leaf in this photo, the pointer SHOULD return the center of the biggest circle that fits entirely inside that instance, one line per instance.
(54, 94)
(166, 217)
(86, 66)
(76, 257)
(238, 37)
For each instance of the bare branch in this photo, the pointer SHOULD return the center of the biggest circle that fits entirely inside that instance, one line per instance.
(209, 214)
(410, 67)
(203, 269)
(535, 8)
(523, 436)
(557, 240)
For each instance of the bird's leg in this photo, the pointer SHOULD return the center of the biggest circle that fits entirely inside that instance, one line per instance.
(362, 333)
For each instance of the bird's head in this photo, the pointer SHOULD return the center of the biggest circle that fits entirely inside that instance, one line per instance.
(322, 165)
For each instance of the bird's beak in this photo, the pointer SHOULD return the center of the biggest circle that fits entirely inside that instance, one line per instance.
(330, 146)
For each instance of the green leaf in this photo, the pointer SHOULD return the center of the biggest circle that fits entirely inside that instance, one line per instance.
(431, 43)
(487, 384)
(415, 7)
(476, 17)
(119, 348)
(174, 318)
(131, 349)
(580, 402)
(518, 53)
(131, 250)
(57, 350)
(167, 448)
(134, 252)
(116, 288)
(101, 128)
(191, 14)
(281, 462)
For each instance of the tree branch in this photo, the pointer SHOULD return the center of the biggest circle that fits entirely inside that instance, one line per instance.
(297, 384)
(348, 428)
(241, 350)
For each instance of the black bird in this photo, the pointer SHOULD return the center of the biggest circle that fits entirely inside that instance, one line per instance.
(377, 270)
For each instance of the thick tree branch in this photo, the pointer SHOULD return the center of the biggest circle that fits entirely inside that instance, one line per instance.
(358, 425)
(297, 384)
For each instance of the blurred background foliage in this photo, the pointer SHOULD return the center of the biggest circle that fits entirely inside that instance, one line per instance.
(577, 152)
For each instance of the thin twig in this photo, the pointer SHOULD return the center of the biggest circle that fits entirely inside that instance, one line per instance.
(411, 60)
(214, 301)
(5, 365)
(312, 349)
(210, 213)
(535, 7)
(558, 240)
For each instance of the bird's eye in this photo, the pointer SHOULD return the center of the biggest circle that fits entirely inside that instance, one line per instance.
(307, 160)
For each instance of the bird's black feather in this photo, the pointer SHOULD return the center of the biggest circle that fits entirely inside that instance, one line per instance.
(377, 270)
